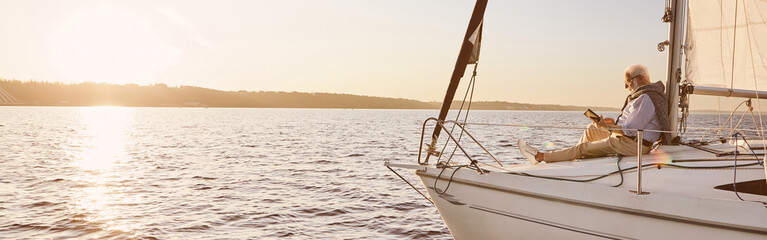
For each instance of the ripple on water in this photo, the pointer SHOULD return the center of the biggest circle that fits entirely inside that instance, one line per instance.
(195, 228)
(41, 204)
(330, 213)
(204, 178)
(176, 173)
(234, 217)
(271, 200)
(406, 206)
(19, 227)
(325, 162)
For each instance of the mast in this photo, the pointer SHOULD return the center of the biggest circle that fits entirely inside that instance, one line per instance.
(468, 54)
(674, 69)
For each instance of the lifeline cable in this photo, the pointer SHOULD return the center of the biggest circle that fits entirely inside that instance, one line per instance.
(631, 168)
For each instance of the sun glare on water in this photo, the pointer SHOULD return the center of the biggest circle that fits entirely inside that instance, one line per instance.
(104, 134)
(106, 128)
(108, 44)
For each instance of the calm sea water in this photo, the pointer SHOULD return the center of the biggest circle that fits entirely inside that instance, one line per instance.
(191, 173)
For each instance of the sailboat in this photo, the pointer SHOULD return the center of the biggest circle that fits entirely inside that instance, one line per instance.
(695, 188)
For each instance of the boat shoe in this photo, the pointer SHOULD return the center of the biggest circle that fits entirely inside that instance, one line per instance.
(527, 151)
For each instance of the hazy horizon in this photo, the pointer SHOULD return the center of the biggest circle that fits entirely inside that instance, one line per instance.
(542, 52)
(399, 49)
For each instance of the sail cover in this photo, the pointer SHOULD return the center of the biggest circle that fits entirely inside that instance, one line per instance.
(727, 36)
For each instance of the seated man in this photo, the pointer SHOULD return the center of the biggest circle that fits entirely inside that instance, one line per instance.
(645, 108)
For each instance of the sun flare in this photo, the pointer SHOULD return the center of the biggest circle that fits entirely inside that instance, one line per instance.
(107, 44)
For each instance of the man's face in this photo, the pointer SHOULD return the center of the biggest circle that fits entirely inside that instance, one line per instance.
(630, 82)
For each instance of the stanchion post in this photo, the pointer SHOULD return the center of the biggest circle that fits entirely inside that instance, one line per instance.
(639, 161)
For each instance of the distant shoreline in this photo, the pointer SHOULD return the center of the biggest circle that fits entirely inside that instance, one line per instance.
(328, 108)
(435, 109)
(32, 93)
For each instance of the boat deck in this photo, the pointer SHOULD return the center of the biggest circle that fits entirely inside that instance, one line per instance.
(684, 170)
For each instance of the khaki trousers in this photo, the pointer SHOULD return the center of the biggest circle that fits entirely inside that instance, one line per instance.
(596, 142)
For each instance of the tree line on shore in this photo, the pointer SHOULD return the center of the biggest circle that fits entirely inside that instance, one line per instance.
(36, 93)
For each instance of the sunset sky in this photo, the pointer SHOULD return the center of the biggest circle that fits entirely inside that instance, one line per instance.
(558, 51)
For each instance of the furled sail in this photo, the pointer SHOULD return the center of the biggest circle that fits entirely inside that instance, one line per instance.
(726, 44)
(475, 40)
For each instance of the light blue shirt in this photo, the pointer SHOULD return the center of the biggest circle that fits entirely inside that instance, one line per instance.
(640, 114)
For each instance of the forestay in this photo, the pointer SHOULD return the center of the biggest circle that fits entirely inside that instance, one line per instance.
(726, 44)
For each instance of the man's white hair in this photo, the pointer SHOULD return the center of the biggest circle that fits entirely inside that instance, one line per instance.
(638, 70)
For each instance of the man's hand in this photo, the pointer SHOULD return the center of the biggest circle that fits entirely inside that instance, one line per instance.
(605, 122)
(601, 123)
(609, 123)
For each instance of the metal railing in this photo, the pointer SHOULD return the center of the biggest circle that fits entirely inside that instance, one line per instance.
(457, 143)
(461, 126)
(639, 140)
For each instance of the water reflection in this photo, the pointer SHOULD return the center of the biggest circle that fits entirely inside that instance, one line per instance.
(104, 129)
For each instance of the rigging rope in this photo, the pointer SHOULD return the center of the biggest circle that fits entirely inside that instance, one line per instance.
(734, 44)
(729, 120)
(469, 89)
(719, 109)
(753, 71)
(448, 182)
(750, 109)
(685, 90)
(667, 14)
(735, 164)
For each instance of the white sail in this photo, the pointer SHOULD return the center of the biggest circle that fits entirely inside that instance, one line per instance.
(723, 38)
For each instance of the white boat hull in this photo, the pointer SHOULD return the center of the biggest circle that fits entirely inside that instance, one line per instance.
(500, 205)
